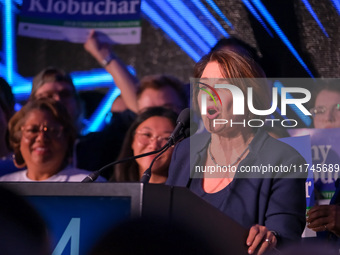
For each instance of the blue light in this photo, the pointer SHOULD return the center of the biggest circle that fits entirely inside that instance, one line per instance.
(218, 11)
(210, 17)
(306, 119)
(311, 11)
(195, 23)
(280, 33)
(283, 116)
(97, 120)
(181, 24)
(84, 80)
(8, 40)
(19, 2)
(22, 89)
(257, 16)
(17, 107)
(157, 19)
(98, 117)
(336, 4)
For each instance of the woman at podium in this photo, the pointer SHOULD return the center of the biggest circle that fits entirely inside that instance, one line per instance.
(226, 165)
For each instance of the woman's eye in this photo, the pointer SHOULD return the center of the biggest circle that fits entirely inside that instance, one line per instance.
(165, 139)
(32, 130)
(148, 135)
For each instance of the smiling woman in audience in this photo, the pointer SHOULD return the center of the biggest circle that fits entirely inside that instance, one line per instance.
(149, 132)
(326, 110)
(42, 136)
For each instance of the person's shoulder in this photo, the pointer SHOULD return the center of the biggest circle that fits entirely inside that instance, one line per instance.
(185, 151)
(275, 153)
(76, 174)
(121, 120)
(13, 177)
(73, 170)
(195, 141)
(274, 145)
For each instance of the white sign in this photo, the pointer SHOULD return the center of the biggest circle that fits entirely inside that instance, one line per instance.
(71, 20)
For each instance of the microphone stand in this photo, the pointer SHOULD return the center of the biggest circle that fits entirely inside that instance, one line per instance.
(94, 175)
(147, 174)
(172, 141)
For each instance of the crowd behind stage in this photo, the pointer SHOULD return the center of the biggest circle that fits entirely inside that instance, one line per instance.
(43, 142)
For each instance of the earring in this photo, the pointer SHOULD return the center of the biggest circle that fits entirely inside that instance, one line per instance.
(22, 165)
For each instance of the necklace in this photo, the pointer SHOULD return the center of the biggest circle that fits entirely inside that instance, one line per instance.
(230, 165)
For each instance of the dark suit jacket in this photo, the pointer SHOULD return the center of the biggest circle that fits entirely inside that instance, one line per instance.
(278, 203)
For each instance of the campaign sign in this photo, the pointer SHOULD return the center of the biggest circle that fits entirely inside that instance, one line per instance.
(325, 149)
(303, 144)
(71, 20)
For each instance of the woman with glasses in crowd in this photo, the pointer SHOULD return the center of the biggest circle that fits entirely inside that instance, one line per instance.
(42, 134)
(149, 132)
(326, 114)
(326, 110)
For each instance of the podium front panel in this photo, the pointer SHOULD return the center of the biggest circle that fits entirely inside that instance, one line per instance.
(79, 214)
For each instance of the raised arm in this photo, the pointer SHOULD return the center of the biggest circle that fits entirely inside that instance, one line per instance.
(125, 81)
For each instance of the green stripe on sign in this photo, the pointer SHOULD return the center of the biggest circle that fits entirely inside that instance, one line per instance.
(82, 24)
(35, 20)
(327, 194)
(116, 24)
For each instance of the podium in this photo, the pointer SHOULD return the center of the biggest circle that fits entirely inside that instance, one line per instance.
(79, 214)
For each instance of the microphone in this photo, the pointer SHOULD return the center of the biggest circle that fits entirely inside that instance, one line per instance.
(183, 121)
(188, 131)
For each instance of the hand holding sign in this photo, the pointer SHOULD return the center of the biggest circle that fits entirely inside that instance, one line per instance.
(98, 46)
(324, 218)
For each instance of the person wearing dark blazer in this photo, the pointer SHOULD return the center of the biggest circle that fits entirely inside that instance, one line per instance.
(221, 165)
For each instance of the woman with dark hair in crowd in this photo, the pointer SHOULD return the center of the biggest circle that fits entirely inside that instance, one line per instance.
(42, 134)
(149, 132)
(271, 206)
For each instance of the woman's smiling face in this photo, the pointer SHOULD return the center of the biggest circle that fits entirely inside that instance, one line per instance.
(152, 134)
(43, 144)
(328, 110)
